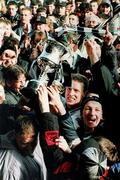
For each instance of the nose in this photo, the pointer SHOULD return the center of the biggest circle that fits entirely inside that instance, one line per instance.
(92, 112)
(71, 91)
(7, 62)
(23, 83)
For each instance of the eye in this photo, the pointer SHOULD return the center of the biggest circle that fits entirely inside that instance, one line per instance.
(12, 57)
(6, 55)
(76, 90)
(87, 108)
(68, 88)
(98, 110)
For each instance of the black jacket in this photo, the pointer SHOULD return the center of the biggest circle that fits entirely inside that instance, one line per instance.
(105, 86)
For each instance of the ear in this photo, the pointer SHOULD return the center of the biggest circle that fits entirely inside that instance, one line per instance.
(8, 83)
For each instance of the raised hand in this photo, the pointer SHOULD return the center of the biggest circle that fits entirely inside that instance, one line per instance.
(108, 37)
(56, 104)
(93, 50)
(43, 99)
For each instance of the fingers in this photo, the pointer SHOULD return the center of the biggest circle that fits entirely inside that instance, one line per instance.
(42, 90)
(59, 141)
(107, 29)
(43, 99)
(52, 91)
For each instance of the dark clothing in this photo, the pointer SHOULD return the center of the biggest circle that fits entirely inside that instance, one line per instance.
(7, 117)
(58, 163)
(70, 133)
(114, 171)
(82, 65)
(24, 63)
(62, 165)
(109, 59)
(13, 19)
(105, 86)
(12, 97)
(67, 128)
(1, 74)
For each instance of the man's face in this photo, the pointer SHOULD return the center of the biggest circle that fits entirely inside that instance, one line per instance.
(74, 94)
(105, 9)
(25, 16)
(61, 11)
(34, 9)
(9, 58)
(73, 20)
(92, 114)
(92, 23)
(18, 84)
(42, 13)
(12, 9)
(51, 8)
(26, 142)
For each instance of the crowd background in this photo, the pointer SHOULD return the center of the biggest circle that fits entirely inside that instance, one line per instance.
(66, 129)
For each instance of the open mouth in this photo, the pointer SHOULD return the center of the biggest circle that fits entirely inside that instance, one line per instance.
(92, 120)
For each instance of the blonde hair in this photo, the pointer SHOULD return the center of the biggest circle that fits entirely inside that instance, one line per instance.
(3, 9)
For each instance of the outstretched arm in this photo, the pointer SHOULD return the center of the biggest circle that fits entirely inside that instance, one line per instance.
(102, 77)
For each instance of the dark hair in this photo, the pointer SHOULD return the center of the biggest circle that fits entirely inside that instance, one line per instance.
(25, 122)
(48, 2)
(12, 3)
(7, 46)
(117, 41)
(41, 9)
(34, 2)
(90, 98)
(82, 79)
(93, 1)
(84, 6)
(13, 73)
(11, 40)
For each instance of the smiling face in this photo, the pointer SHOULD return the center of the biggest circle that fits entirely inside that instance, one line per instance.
(74, 94)
(92, 114)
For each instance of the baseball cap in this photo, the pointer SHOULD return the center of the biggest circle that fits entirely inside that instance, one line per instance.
(41, 20)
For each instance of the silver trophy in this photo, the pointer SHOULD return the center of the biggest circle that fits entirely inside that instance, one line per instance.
(50, 65)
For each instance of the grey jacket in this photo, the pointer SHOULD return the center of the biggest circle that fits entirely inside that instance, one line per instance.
(15, 166)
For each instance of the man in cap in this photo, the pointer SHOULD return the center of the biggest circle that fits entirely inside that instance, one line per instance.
(105, 9)
(60, 12)
(41, 24)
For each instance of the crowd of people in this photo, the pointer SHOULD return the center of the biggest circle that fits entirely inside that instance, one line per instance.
(59, 89)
